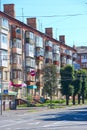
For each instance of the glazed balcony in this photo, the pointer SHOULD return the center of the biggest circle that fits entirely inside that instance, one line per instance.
(39, 52)
(56, 49)
(17, 67)
(3, 63)
(17, 50)
(40, 58)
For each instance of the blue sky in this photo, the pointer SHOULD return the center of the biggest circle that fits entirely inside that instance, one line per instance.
(66, 17)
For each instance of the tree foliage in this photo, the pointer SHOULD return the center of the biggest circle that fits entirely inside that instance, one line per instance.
(50, 79)
(67, 75)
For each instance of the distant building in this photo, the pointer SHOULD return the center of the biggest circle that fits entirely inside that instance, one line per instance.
(82, 56)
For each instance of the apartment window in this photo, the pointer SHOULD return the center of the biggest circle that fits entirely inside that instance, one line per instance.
(17, 74)
(39, 41)
(5, 22)
(31, 36)
(17, 43)
(5, 76)
(3, 55)
(17, 59)
(4, 38)
(48, 55)
(49, 43)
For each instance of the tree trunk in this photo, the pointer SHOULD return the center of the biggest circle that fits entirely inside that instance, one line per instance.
(67, 100)
(74, 100)
(78, 98)
(83, 98)
(51, 101)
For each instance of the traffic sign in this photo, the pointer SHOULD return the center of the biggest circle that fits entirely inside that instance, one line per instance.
(32, 72)
(5, 91)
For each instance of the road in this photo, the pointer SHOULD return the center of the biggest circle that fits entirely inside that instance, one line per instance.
(47, 119)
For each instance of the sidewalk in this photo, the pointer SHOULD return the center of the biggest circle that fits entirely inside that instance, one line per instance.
(26, 110)
(21, 111)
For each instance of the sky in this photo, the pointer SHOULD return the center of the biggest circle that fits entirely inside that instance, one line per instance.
(66, 17)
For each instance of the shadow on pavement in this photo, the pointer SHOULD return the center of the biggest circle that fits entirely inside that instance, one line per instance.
(79, 114)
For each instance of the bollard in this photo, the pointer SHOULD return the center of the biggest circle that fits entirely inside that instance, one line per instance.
(10, 105)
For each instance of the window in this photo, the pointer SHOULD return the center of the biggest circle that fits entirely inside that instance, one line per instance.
(17, 43)
(39, 41)
(30, 62)
(5, 22)
(31, 36)
(17, 59)
(17, 74)
(5, 75)
(3, 54)
(4, 38)
(49, 43)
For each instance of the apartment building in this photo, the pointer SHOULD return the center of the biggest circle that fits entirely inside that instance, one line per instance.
(82, 57)
(24, 49)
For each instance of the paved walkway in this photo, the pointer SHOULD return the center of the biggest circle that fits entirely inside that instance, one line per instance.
(20, 111)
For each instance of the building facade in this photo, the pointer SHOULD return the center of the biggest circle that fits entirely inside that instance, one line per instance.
(24, 51)
(82, 56)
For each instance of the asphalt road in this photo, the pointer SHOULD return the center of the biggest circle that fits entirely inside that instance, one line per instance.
(45, 119)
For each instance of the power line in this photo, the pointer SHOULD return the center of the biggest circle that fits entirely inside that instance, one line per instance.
(66, 15)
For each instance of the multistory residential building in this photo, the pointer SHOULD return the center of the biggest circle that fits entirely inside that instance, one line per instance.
(82, 57)
(24, 49)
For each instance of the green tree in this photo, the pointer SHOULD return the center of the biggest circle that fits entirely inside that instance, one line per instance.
(50, 80)
(80, 84)
(67, 75)
(84, 84)
(76, 85)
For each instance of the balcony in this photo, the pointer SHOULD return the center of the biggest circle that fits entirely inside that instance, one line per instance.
(63, 53)
(40, 58)
(17, 81)
(17, 66)
(3, 63)
(17, 50)
(56, 49)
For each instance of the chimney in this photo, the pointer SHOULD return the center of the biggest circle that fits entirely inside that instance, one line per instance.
(62, 38)
(9, 9)
(32, 22)
(49, 31)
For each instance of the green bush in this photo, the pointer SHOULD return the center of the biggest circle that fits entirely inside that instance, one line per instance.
(57, 101)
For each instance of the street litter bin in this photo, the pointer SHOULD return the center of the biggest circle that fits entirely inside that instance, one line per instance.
(13, 105)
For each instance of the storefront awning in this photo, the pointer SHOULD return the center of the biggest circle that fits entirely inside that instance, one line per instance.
(32, 86)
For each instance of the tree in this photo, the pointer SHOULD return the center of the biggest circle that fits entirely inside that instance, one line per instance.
(50, 80)
(76, 85)
(67, 75)
(84, 84)
(80, 84)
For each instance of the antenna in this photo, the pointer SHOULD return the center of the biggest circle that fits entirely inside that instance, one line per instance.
(56, 32)
(22, 15)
